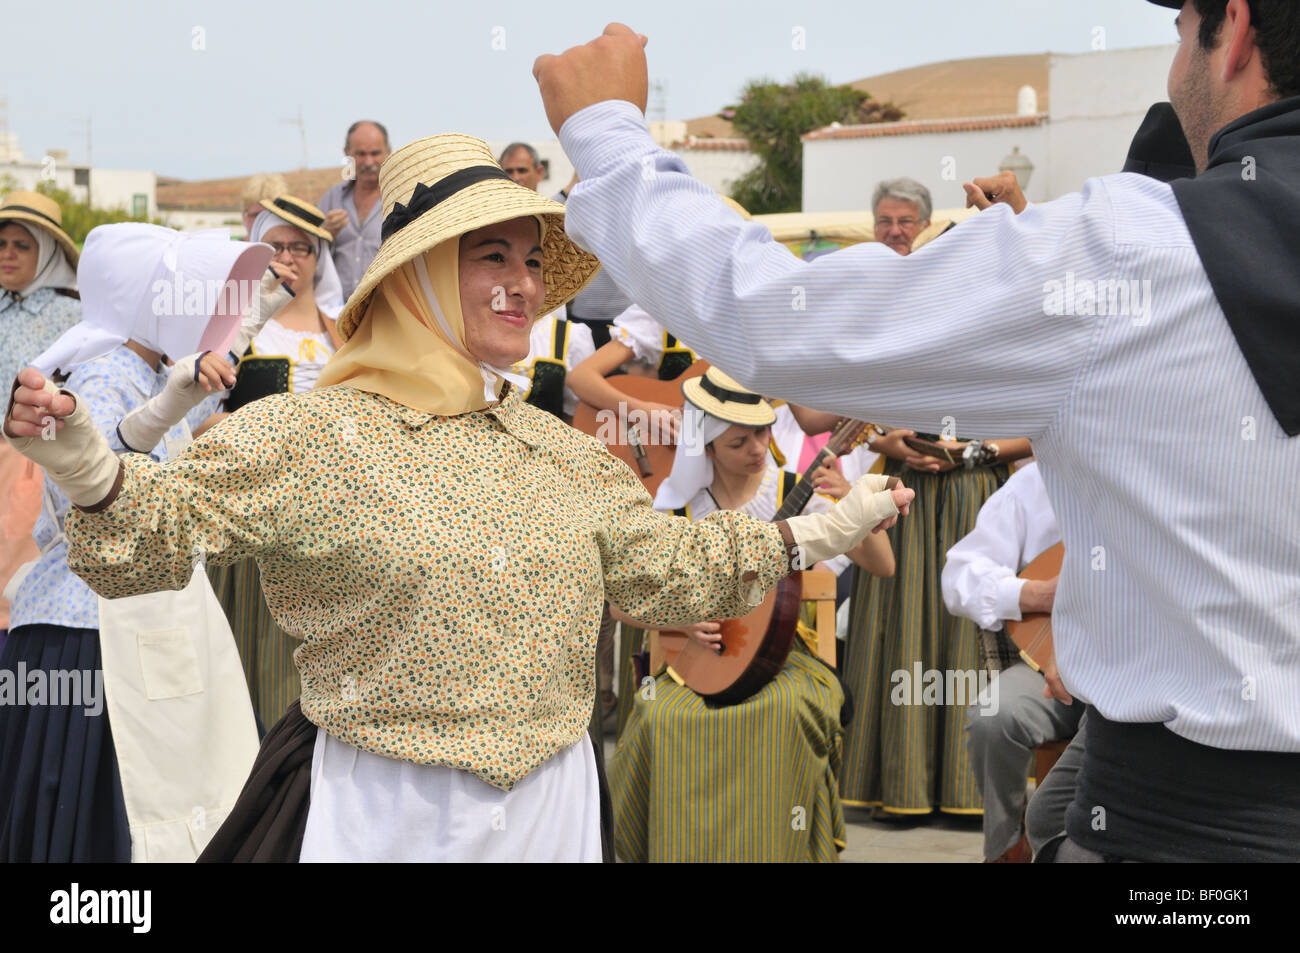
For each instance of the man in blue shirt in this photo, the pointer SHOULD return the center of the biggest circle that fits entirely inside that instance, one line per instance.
(353, 212)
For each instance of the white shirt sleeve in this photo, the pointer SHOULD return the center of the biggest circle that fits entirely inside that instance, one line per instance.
(979, 577)
(960, 328)
(634, 328)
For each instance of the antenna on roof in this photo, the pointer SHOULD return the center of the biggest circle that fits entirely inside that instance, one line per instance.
(657, 110)
(302, 133)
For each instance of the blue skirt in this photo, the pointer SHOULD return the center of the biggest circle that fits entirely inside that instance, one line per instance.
(60, 791)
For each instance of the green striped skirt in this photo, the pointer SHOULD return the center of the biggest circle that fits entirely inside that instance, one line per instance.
(265, 649)
(748, 782)
(906, 750)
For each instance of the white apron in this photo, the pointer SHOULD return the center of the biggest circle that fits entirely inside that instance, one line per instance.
(180, 712)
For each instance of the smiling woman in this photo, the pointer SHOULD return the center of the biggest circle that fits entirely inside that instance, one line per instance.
(441, 548)
(501, 289)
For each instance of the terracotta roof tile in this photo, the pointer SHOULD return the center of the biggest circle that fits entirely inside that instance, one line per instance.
(923, 126)
(309, 184)
(712, 145)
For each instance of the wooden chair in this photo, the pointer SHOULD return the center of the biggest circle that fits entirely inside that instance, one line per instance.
(1046, 756)
(818, 587)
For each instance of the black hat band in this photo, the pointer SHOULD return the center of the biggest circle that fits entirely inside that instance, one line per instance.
(426, 197)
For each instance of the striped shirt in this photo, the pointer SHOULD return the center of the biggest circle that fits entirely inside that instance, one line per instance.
(1086, 324)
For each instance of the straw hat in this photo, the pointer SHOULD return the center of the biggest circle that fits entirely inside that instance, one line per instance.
(719, 396)
(444, 186)
(43, 211)
(736, 207)
(299, 214)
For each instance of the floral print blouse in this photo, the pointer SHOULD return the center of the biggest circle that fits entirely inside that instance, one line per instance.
(445, 574)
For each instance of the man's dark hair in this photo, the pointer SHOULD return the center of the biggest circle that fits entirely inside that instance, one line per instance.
(1277, 34)
(532, 153)
(347, 140)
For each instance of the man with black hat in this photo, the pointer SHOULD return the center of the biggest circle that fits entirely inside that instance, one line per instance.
(1142, 334)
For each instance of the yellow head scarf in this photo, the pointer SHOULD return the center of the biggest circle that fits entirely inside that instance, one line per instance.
(410, 345)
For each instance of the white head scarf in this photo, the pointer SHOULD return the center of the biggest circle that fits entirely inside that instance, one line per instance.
(692, 469)
(52, 267)
(326, 285)
(171, 291)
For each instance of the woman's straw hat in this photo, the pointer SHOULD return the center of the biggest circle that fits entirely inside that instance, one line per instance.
(39, 210)
(299, 214)
(719, 396)
(441, 187)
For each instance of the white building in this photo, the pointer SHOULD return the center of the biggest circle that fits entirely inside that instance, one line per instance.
(1097, 101)
(715, 162)
(132, 189)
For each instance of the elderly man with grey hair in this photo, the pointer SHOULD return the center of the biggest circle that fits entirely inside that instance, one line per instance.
(902, 209)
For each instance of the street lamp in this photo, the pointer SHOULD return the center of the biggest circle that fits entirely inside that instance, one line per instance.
(1018, 164)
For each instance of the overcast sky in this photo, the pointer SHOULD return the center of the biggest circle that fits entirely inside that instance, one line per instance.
(202, 88)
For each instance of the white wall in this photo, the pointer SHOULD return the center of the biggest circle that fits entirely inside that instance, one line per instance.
(717, 168)
(28, 174)
(842, 173)
(192, 220)
(1098, 101)
(714, 168)
(110, 188)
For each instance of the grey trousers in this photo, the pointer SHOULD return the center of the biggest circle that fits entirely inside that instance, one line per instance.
(1045, 818)
(1002, 749)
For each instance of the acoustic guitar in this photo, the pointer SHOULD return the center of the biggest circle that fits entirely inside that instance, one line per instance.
(1033, 634)
(642, 444)
(755, 647)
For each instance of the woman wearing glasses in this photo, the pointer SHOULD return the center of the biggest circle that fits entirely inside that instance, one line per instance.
(286, 356)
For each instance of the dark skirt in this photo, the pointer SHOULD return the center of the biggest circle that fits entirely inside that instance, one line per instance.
(60, 791)
(269, 819)
(913, 758)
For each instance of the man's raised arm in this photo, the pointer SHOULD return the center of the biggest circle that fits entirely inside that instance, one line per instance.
(959, 329)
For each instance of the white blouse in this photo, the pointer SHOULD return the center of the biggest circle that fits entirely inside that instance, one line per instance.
(307, 351)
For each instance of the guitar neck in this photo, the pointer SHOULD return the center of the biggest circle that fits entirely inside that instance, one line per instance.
(798, 498)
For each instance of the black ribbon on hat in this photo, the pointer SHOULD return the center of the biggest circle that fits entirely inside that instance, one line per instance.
(299, 211)
(724, 395)
(426, 197)
(24, 208)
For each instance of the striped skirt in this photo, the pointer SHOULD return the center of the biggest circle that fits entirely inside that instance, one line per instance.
(906, 751)
(630, 641)
(748, 782)
(265, 649)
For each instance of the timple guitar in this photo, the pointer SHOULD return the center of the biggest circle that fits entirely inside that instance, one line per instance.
(755, 646)
(641, 444)
(1033, 633)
